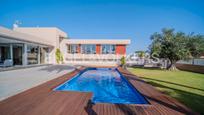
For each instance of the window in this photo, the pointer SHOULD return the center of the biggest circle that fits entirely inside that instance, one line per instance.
(32, 52)
(72, 48)
(112, 49)
(108, 49)
(88, 49)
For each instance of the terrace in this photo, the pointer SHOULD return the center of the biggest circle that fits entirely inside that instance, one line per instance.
(14, 80)
(43, 100)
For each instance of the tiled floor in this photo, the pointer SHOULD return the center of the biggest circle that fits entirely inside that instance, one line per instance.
(16, 81)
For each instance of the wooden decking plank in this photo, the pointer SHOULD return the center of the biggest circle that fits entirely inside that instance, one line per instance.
(70, 104)
(85, 104)
(55, 101)
(82, 104)
(151, 110)
(74, 105)
(108, 109)
(114, 109)
(97, 109)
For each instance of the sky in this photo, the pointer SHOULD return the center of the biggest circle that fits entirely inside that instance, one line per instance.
(107, 19)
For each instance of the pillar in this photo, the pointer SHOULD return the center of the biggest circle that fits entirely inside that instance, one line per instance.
(25, 55)
(38, 54)
(11, 52)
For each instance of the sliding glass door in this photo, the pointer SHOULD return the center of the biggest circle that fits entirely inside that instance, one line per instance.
(17, 54)
(4, 52)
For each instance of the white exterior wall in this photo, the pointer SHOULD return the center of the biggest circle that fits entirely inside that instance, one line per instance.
(49, 34)
(53, 35)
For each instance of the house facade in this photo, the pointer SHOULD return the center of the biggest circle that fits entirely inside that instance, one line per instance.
(38, 45)
(97, 51)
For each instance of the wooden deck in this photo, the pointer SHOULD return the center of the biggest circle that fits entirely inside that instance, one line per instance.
(42, 100)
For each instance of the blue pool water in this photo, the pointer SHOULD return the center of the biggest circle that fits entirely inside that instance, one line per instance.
(106, 84)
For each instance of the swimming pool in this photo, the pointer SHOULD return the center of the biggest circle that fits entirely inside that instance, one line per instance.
(106, 84)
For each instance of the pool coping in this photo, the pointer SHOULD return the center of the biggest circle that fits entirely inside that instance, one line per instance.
(43, 100)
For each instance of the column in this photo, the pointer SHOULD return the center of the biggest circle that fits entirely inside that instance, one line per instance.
(25, 55)
(11, 52)
(48, 55)
(38, 54)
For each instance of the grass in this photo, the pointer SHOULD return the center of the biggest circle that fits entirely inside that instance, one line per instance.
(186, 87)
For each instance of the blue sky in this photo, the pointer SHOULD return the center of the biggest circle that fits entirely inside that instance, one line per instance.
(107, 19)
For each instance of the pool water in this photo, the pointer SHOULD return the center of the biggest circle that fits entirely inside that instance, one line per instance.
(106, 84)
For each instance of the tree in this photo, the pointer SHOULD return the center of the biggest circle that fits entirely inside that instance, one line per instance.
(141, 54)
(195, 45)
(170, 45)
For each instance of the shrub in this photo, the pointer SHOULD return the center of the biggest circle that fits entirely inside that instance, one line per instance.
(59, 56)
(122, 61)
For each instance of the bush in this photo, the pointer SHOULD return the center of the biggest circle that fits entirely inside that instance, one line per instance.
(59, 56)
(122, 61)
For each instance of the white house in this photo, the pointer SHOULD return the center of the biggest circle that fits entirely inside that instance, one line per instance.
(37, 45)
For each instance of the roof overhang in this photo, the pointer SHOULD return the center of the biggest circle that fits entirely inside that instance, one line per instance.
(7, 39)
(9, 35)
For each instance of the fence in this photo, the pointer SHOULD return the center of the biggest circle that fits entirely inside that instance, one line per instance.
(192, 62)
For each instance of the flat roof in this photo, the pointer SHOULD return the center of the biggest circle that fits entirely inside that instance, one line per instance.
(25, 29)
(10, 34)
(97, 41)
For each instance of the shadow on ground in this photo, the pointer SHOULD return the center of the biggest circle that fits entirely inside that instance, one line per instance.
(191, 100)
(173, 83)
(149, 68)
(89, 110)
(57, 68)
(127, 110)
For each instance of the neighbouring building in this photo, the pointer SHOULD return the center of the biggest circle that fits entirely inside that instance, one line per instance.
(37, 45)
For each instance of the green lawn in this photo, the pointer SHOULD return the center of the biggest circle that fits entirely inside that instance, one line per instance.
(186, 87)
